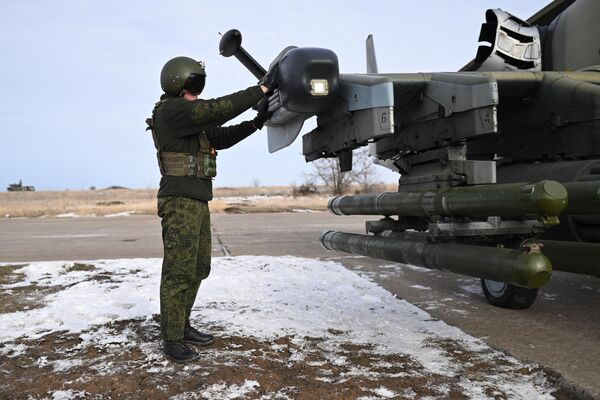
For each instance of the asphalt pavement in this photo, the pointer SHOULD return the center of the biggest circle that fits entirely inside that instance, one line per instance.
(561, 331)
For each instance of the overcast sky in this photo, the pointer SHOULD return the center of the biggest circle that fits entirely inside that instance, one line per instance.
(80, 77)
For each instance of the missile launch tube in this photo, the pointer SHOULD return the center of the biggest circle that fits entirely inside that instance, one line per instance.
(523, 268)
(546, 199)
(574, 257)
(584, 198)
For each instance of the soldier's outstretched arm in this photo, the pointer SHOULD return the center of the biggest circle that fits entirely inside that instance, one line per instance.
(224, 108)
(189, 117)
(223, 137)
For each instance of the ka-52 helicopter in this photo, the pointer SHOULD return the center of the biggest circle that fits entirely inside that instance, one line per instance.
(499, 163)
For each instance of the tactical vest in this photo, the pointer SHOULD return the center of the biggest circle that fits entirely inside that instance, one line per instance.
(202, 165)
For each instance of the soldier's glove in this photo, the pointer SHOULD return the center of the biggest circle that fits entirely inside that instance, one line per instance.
(263, 114)
(271, 79)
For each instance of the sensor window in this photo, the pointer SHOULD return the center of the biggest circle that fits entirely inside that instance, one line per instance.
(319, 87)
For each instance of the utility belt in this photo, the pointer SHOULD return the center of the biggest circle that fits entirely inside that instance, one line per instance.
(203, 165)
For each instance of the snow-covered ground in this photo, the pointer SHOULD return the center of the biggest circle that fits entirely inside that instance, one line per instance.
(265, 298)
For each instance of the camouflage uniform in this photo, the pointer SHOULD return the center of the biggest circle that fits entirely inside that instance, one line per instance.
(187, 248)
(183, 200)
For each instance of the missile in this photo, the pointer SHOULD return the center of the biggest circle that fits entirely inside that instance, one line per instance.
(528, 267)
(545, 199)
(584, 197)
(574, 257)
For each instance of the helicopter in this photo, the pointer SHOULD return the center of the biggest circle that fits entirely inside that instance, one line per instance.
(498, 163)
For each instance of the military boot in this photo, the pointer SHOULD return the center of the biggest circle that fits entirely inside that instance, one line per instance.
(193, 336)
(179, 352)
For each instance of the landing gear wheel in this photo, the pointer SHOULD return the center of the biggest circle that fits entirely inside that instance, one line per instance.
(502, 294)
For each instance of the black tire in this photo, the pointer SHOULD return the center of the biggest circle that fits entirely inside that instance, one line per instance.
(502, 294)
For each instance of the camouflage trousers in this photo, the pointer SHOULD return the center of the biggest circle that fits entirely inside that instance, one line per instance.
(186, 262)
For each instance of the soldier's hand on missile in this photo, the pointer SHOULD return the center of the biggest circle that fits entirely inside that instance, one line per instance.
(265, 89)
(263, 114)
(270, 80)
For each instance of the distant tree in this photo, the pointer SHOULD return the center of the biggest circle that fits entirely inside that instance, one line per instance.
(255, 182)
(326, 171)
(365, 171)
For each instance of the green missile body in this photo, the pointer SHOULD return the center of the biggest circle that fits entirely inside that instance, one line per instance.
(574, 257)
(530, 269)
(545, 199)
(584, 197)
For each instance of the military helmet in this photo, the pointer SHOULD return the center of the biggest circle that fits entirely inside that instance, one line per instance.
(182, 73)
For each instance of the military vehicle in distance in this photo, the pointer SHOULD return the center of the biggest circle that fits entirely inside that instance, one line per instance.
(18, 187)
(499, 163)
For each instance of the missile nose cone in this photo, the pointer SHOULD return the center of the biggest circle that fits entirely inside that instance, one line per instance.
(539, 279)
(333, 205)
(554, 190)
(550, 199)
(534, 269)
(325, 239)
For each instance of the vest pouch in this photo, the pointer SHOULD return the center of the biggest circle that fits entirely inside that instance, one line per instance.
(209, 164)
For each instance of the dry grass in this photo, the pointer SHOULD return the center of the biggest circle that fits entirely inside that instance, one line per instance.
(253, 191)
(143, 201)
(82, 202)
(268, 204)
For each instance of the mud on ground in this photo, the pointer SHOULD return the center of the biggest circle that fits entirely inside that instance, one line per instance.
(128, 363)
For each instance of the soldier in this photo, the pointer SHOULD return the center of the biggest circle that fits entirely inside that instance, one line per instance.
(187, 133)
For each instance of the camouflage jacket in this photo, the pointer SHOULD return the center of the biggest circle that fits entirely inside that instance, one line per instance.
(177, 123)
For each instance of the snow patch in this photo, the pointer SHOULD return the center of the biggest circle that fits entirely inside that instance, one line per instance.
(222, 391)
(259, 297)
(51, 273)
(12, 350)
(413, 267)
(68, 394)
(65, 365)
(120, 214)
(385, 392)
(233, 200)
(420, 287)
(549, 296)
(68, 215)
(472, 289)
(85, 302)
